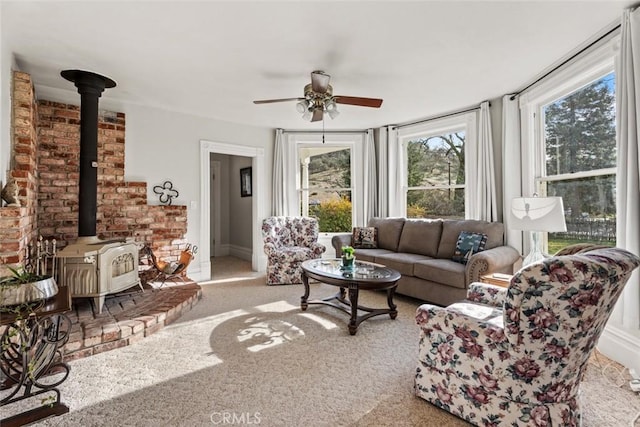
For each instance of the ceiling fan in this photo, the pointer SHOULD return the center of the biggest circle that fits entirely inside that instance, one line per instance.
(319, 98)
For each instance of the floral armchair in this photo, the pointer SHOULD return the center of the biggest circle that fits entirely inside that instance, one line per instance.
(288, 241)
(516, 356)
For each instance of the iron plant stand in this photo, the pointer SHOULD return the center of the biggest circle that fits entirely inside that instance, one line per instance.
(31, 359)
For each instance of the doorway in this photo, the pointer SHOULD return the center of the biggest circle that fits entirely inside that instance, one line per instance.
(258, 206)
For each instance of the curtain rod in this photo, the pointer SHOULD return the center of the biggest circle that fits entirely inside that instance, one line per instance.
(325, 132)
(442, 116)
(571, 58)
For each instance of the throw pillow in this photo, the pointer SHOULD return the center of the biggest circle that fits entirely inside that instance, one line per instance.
(364, 238)
(468, 244)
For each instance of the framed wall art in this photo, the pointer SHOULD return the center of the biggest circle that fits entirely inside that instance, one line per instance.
(245, 182)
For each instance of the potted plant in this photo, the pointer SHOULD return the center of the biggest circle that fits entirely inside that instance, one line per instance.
(348, 257)
(24, 286)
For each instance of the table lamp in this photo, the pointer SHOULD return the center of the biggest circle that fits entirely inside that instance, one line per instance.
(537, 214)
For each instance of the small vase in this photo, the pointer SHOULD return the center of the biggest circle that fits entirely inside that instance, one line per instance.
(347, 263)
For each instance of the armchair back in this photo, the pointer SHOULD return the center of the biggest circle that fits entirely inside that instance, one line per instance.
(557, 309)
(288, 231)
(517, 357)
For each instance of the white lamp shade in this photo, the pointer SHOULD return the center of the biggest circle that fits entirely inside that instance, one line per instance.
(537, 214)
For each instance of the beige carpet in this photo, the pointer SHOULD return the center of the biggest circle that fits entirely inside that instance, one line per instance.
(247, 355)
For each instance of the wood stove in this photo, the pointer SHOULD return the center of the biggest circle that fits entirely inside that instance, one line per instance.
(95, 268)
(92, 267)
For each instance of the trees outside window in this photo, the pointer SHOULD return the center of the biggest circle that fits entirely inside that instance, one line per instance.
(436, 176)
(580, 160)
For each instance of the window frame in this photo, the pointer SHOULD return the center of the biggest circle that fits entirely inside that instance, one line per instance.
(577, 74)
(460, 122)
(352, 140)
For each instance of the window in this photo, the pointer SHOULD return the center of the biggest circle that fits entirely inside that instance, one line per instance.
(571, 121)
(325, 186)
(434, 171)
(435, 176)
(580, 161)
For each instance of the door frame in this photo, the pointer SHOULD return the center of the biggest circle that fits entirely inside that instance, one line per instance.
(258, 205)
(216, 207)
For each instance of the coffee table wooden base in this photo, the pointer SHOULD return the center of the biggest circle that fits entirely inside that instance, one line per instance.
(350, 306)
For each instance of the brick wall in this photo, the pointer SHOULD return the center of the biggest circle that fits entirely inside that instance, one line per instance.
(46, 154)
(18, 224)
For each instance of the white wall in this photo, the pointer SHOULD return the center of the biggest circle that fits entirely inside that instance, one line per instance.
(163, 145)
(223, 238)
(5, 102)
(240, 228)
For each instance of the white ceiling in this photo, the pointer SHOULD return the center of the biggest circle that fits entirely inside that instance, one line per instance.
(213, 58)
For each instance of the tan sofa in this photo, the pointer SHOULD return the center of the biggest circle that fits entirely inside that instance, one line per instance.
(422, 250)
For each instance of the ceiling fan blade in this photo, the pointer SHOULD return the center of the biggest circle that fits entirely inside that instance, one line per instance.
(317, 115)
(269, 101)
(320, 81)
(355, 100)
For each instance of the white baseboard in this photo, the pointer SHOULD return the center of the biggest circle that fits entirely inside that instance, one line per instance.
(200, 271)
(240, 252)
(621, 346)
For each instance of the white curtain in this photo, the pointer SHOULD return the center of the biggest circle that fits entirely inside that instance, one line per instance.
(370, 186)
(628, 167)
(395, 193)
(482, 182)
(279, 202)
(511, 168)
(383, 182)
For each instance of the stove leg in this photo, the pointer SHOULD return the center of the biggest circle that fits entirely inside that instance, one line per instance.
(98, 303)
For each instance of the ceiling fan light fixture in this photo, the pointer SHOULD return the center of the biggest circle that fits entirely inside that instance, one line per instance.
(302, 106)
(331, 108)
(307, 115)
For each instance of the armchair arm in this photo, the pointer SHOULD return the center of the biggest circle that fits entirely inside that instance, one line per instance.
(317, 248)
(340, 240)
(269, 249)
(495, 260)
(485, 293)
(459, 321)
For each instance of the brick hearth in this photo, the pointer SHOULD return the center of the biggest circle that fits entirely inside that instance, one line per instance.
(126, 318)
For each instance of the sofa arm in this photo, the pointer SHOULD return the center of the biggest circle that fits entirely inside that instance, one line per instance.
(340, 240)
(495, 260)
(485, 293)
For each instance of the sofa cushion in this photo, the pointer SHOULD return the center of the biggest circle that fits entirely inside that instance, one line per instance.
(443, 271)
(421, 236)
(402, 262)
(389, 230)
(371, 254)
(364, 238)
(468, 244)
(451, 230)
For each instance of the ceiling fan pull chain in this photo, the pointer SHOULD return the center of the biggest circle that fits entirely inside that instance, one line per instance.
(323, 129)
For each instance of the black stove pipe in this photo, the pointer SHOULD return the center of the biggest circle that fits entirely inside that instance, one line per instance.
(90, 87)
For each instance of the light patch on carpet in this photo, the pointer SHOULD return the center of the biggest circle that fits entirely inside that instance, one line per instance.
(277, 307)
(327, 324)
(271, 333)
(216, 319)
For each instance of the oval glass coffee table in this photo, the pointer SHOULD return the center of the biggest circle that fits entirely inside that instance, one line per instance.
(364, 276)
